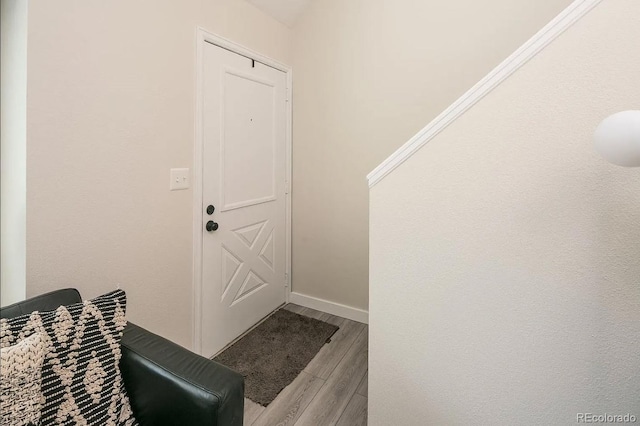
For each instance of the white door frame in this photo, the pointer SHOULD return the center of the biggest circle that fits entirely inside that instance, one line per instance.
(203, 36)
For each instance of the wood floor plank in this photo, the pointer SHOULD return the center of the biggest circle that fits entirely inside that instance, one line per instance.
(336, 393)
(332, 319)
(363, 389)
(291, 402)
(251, 411)
(312, 313)
(326, 360)
(356, 412)
(294, 308)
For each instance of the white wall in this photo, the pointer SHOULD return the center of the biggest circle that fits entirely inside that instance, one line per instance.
(367, 76)
(505, 282)
(110, 111)
(13, 155)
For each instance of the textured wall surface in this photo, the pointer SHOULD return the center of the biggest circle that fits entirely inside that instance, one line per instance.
(110, 110)
(505, 281)
(367, 76)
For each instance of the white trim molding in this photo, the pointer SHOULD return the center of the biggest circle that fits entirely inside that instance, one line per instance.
(333, 308)
(572, 14)
(203, 36)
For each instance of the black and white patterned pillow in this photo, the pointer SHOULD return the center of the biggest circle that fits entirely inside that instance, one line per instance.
(81, 379)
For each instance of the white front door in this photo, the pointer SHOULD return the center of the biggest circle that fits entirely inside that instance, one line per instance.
(244, 160)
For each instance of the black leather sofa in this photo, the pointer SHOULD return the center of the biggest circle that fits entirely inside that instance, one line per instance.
(166, 383)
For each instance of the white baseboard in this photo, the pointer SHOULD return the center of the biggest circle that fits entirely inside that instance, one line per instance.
(333, 308)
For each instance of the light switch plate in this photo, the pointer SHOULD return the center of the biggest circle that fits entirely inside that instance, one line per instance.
(179, 179)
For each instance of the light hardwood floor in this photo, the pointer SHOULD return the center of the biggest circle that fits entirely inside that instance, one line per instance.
(332, 389)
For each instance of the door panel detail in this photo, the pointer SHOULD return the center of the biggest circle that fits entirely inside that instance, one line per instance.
(266, 254)
(230, 268)
(249, 234)
(251, 284)
(248, 169)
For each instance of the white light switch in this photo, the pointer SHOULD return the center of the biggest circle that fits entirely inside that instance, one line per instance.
(179, 179)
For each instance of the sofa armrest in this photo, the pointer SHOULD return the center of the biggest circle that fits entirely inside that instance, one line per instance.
(169, 385)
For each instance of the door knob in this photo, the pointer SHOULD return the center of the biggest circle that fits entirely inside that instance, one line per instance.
(211, 226)
(210, 209)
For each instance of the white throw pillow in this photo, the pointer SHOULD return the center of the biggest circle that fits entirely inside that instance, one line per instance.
(21, 398)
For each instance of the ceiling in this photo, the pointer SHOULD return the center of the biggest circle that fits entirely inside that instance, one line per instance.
(285, 11)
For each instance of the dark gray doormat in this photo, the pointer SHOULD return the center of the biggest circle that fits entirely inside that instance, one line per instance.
(273, 354)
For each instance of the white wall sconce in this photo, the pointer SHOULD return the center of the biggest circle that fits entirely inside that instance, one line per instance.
(617, 138)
